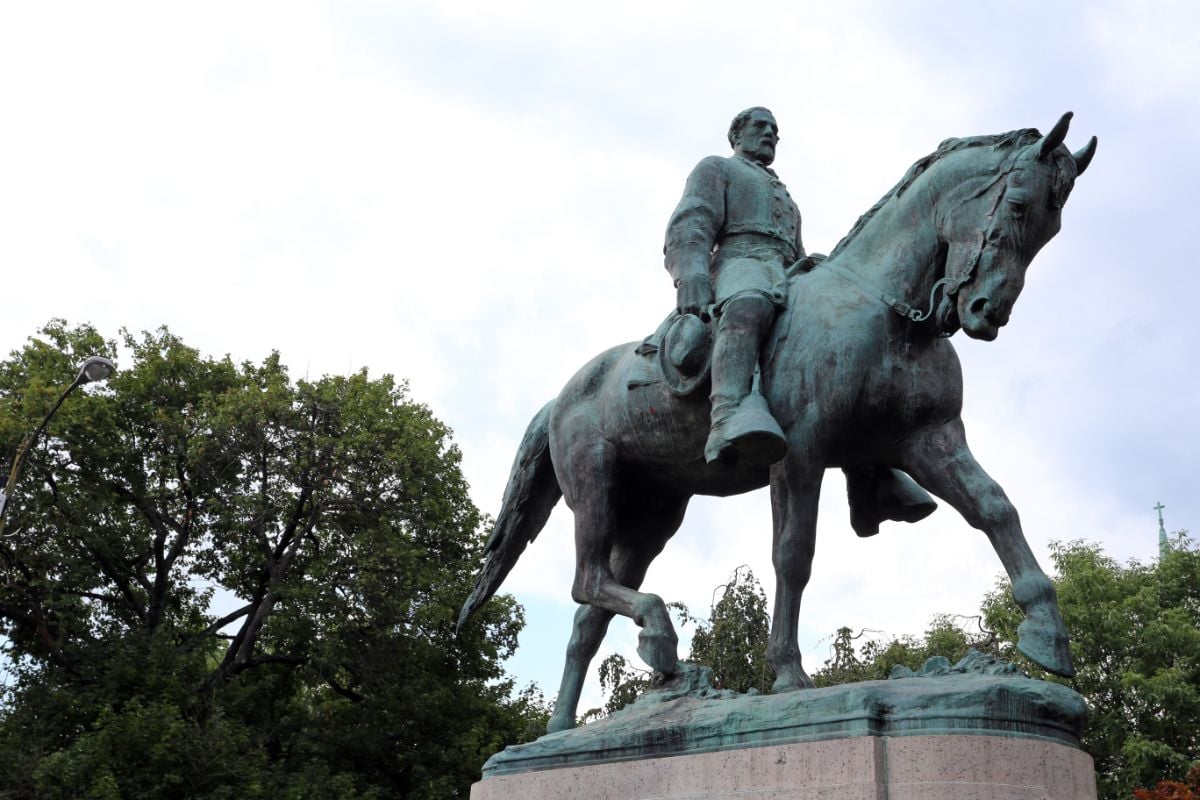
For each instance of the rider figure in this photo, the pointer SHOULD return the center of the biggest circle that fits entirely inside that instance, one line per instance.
(729, 244)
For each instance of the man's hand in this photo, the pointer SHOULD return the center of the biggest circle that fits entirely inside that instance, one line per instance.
(694, 295)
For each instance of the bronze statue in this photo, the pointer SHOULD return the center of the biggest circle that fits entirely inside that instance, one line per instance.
(858, 372)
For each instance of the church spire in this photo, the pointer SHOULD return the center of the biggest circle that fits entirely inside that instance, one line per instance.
(1163, 547)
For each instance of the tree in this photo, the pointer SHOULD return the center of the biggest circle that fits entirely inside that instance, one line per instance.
(733, 642)
(1135, 638)
(330, 522)
(622, 681)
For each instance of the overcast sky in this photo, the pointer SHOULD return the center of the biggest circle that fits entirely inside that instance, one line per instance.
(472, 196)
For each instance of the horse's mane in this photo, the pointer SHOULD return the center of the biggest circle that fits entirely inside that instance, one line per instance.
(997, 141)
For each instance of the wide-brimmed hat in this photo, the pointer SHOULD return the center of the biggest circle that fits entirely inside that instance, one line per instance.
(686, 355)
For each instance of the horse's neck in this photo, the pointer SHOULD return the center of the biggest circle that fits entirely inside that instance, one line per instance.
(898, 248)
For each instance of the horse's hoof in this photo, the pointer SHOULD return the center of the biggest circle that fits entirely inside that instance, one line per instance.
(659, 651)
(563, 722)
(1047, 646)
(792, 680)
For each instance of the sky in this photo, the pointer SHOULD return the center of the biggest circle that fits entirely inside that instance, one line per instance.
(472, 196)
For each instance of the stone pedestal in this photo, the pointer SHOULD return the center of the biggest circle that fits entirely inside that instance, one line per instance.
(975, 731)
(955, 767)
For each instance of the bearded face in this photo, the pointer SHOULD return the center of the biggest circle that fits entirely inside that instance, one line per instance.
(758, 137)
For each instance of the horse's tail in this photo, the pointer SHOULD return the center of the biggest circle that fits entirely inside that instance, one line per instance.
(529, 498)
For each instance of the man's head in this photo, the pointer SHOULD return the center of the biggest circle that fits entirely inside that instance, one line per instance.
(754, 134)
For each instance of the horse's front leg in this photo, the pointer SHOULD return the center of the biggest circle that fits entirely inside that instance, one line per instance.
(941, 462)
(795, 490)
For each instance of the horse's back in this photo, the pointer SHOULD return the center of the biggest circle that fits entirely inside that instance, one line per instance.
(618, 401)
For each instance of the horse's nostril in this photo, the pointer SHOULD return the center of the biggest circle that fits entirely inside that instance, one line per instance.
(978, 305)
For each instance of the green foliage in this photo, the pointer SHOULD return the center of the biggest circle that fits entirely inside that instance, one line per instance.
(1135, 638)
(733, 642)
(330, 522)
(623, 682)
(875, 659)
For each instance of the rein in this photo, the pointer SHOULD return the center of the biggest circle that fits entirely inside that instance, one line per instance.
(894, 303)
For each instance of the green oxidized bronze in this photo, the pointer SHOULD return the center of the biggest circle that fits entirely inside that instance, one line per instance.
(855, 370)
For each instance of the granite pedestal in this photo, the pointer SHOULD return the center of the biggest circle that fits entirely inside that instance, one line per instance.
(952, 767)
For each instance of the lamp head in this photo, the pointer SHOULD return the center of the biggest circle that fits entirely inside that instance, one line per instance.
(96, 368)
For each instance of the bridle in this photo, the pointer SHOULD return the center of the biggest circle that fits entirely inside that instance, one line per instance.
(950, 284)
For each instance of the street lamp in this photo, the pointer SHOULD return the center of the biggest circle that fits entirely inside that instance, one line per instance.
(96, 368)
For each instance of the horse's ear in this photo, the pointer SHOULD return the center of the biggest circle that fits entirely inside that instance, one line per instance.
(1055, 137)
(1084, 156)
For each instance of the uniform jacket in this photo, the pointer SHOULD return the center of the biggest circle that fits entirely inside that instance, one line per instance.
(723, 197)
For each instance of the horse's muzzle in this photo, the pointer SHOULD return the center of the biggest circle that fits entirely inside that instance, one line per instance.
(983, 319)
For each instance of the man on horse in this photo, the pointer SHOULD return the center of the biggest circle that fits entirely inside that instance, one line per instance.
(859, 380)
(729, 244)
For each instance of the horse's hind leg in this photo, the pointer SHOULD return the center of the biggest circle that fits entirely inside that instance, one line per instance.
(795, 491)
(941, 462)
(588, 474)
(642, 540)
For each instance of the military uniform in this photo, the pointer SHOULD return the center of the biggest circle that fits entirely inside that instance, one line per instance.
(742, 209)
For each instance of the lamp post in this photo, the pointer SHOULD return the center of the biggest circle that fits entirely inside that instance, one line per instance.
(96, 368)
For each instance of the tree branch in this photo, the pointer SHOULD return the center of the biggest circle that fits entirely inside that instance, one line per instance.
(270, 659)
(344, 691)
(120, 581)
(216, 626)
(241, 650)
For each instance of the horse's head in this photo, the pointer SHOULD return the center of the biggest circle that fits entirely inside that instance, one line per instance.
(1010, 210)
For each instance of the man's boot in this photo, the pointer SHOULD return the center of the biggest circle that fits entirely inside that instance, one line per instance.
(742, 426)
(877, 494)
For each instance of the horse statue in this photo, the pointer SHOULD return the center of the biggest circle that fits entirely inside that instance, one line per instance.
(856, 375)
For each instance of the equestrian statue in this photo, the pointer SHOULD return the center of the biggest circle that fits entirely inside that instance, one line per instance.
(811, 363)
